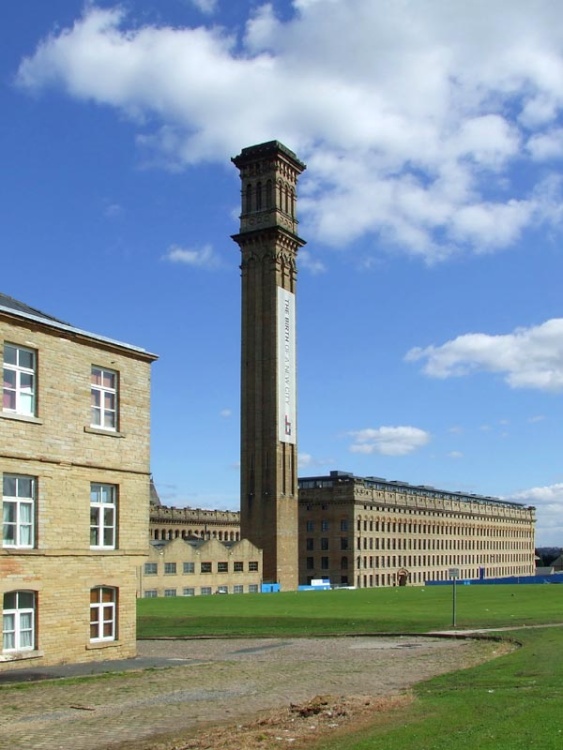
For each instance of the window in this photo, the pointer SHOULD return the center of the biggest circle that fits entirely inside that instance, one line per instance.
(252, 588)
(222, 589)
(18, 626)
(324, 525)
(206, 591)
(324, 563)
(18, 499)
(344, 525)
(310, 543)
(18, 394)
(310, 525)
(310, 563)
(253, 566)
(169, 592)
(188, 592)
(103, 613)
(189, 567)
(103, 399)
(206, 567)
(324, 543)
(223, 567)
(150, 594)
(238, 589)
(103, 506)
(151, 569)
(238, 567)
(258, 196)
(169, 569)
(344, 542)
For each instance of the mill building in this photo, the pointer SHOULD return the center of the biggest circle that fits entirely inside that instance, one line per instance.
(367, 531)
(74, 471)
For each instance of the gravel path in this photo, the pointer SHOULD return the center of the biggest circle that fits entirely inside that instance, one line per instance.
(218, 680)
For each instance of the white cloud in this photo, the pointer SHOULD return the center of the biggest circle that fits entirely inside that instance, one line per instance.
(455, 454)
(527, 358)
(226, 413)
(548, 502)
(307, 461)
(547, 145)
(113, 210)
(413, 121)
(389, 441)
(310, 263)
(204, 257)
(304, 460)
(208, 7)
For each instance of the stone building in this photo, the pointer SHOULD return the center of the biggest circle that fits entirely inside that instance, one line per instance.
(368, 532)
(74, 467)
(192, 567)
(168, 523)
(269, 243)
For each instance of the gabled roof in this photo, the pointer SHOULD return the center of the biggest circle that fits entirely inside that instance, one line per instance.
(14, 304)
(11, 306)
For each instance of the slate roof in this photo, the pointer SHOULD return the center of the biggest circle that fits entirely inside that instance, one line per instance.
(14, 304)
(155, 498)
(9, 303)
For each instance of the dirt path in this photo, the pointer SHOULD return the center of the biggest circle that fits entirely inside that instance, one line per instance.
(261, 690)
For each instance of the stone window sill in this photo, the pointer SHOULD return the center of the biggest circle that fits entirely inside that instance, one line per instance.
(20, 417)
(103, 644)
(107, 433)
(20, 656)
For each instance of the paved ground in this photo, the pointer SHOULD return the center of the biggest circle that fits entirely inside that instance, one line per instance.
(38, 674)
(214, 681)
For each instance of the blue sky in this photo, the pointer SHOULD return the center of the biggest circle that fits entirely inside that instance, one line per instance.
(430, 321)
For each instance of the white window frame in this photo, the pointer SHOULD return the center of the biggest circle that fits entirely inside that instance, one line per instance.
(151, 569)
(103, 614)
(104, 398)
(151, 594)
(18, 511)
(103, 516)
(18, 623)
(169, 593)
(24, 392)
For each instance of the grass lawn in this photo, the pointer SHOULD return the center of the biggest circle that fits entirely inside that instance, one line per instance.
(511, 703)
(305, 613)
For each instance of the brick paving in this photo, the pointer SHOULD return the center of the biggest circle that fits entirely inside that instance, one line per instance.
(215, 681)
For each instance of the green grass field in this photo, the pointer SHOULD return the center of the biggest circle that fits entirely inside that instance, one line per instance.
(511, 703)
(302, 613)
